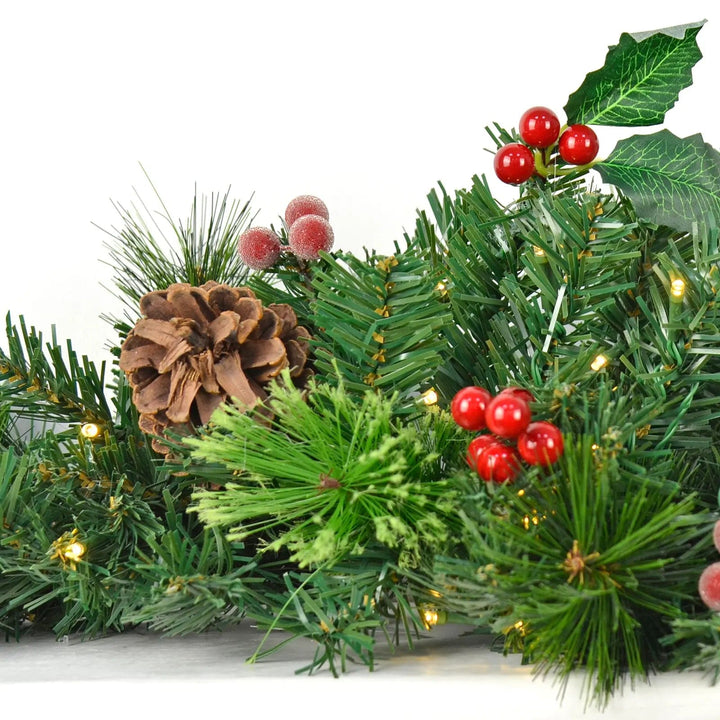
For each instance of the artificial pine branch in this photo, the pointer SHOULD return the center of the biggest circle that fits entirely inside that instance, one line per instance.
(201, 248)
(40, 381)
(584, 567)
(381, 322)
(351, 475)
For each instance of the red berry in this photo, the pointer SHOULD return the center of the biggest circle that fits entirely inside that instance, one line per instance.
(709, 586)
(514, 163)
(476, 446)
(498, 463)
(468, 407)
(259, 248)
(578, 145)
(541, 443)
(305, 205)
(526, 395)
(309, 235)
(507, 415)
(716, 535)
(539, 127)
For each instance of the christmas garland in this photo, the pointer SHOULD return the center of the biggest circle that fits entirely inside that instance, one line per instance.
(511, 422)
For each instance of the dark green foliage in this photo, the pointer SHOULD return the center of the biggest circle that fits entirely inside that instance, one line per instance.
(587, 566)
(380, 322)
(40, 381)
(640, 80)
(145, 259)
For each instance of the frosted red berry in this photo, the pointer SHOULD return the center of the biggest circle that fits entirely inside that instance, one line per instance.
(507, 415)
(305, 205)
(709, 586)
(526, 395)
(539, 127)
(259, 248)
(498, 463)
(478, 445)
(716, 535)
(514, 163)
(309, 235)
(541, 443)
(578, 145)
(468, 407)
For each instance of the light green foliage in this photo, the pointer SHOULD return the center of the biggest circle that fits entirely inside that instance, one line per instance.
(328, 475)
(640, 80)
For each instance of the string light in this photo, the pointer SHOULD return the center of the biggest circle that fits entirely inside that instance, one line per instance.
(90, 431)
(69, 549)
(599, 363)
(539, 252)
(74, 551)
(441, 286)
(430, 397)
(430, 617)
(520, 627)
(677, 288)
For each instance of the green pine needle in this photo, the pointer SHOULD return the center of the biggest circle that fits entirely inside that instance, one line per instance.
(329, 475)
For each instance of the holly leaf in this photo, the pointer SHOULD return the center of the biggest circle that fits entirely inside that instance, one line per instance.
(672, 181)
(640, 81)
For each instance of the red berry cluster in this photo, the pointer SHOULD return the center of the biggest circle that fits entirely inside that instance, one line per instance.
(507, 416)
(709, 584)
(309, 232)
(539, 128)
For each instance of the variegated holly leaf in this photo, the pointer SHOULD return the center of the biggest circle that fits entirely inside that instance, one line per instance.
(672, 181)
(640, 81)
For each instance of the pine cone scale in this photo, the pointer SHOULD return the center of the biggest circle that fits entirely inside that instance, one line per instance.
(198, 347)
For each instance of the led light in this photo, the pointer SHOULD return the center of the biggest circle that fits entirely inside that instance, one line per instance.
(595, 447)
(90, 431)
(74, 551)
(430, 617)
(539, 252)
(677, 288)
(441, 286)
(430, 397)
(599, 363)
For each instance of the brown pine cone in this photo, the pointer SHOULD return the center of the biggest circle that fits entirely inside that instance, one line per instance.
(198, 346)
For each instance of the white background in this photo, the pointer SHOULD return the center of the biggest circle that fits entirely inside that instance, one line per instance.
(365, 104)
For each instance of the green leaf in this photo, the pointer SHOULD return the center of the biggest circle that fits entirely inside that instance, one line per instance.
(672, 181)
(641, 79)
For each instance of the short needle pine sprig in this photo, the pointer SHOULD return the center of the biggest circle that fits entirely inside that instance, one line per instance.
(327, 476)
(45, 382)
(591, 566)
(381, 322)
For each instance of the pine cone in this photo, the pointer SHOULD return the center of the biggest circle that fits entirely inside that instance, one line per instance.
(198, 346)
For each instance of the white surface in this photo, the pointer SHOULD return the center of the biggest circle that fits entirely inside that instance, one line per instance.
(367, 104)
(448, 674)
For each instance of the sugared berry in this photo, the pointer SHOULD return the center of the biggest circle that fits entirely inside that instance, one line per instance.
(578, 145)
(541, 443)
(305, 205)
(259, 248)
(514, 163)
(309, 235)
(539, 127)
(476, 446)
(498, 463)
(709, 586)
(468, 407)
(507, 415)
